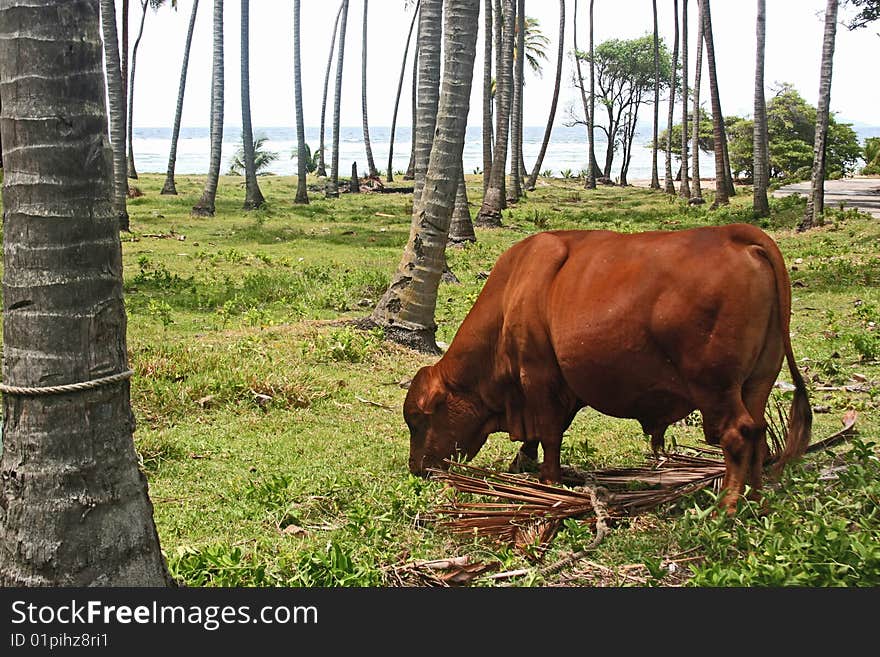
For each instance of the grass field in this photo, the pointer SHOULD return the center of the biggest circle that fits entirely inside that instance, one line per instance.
(273, 439)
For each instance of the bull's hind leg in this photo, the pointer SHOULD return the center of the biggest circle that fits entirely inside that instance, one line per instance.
(755, 397)
(728, 423)
(526, 459)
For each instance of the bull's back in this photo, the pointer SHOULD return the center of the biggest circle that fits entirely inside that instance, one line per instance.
(641, 320)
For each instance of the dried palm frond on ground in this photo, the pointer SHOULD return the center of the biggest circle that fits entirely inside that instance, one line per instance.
(528, 512)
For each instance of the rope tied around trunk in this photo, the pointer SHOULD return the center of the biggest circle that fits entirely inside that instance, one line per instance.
(69, 387)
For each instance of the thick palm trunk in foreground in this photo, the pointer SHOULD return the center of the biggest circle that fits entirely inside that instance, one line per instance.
(430, 45)
(719, 137)
(75, 508)
(406, 311)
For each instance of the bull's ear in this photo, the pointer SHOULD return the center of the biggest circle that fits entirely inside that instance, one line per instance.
(432, 394)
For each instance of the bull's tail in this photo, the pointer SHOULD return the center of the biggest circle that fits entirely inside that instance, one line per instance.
(800, 415)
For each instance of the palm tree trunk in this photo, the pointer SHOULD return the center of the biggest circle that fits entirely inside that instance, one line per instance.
(169, 187)
(430, 44)
(123, 55)
(406, 311)
(132, 171)
(594, 168)
(560, 55)
(390, 176)
(487, 135)
(322, 169)
(670, 185)
(760, 156)
(116, 110)
(302, 194)
(411, 167)
(515, 191)
(332, 187)
(205, 206)
(696, 189)
(499, 55)
(684, 190)
(462, 227)
(655, 145)
(718, 133)
(253, 197)
(372, 172)
(816, 200)
(76, 510)
(493, 200)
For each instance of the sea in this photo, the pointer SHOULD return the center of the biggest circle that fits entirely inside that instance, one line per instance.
(567, 150)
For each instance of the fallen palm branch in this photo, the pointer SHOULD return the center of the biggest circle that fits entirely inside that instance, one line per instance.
(528, 513)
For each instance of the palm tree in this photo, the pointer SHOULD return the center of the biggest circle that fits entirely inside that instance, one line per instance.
(332, 187)
(487, 135)
(430, 44)
(696, 189)
(589, 104)
(302, 155)
(253, 197)
(411, 166)
(390, 176)
(262, 158)
(462, 227)
(169, 186)
(655, 177)
(116, 110)
(76, 510)
(760, 146)
(493, 199)
(560, 52)
(515, 191)
(155, 4)
(816, 200)
(722, 195)
(205, 206)
(670, 185)
(684, 190)
(371, 165)
(406, 311)
(322, 171)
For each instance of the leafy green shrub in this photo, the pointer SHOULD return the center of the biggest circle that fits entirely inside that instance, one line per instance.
(829, 535)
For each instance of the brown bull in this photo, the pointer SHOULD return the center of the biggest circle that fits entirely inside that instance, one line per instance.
(648, 326)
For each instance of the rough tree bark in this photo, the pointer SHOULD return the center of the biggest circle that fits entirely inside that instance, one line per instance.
(205, 206)
(430, 46)
(760, 156)
(331, 189)
(253, 197)
(75, 506)
(322, 167)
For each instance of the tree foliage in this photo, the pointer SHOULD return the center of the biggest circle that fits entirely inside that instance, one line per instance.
(872, 156)
(869, 11)
(262, 158)
(791, 127)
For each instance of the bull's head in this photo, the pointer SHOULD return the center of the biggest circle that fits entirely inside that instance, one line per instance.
(442, 422)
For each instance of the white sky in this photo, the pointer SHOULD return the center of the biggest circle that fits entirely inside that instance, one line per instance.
(794, 41)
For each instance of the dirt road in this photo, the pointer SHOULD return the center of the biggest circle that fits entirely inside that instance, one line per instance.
(859, 192)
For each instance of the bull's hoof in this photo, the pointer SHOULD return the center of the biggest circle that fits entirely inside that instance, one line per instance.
(523, 463)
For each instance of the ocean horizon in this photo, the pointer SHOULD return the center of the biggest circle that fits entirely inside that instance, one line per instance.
(567, 149)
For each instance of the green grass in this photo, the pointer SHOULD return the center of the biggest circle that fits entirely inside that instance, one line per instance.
(272, 435)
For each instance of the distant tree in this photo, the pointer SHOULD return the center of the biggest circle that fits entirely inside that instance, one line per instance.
(816, 201)
(723, 181)
(488, 93)
(390, 176)
(624, 78)
(869, 11)
(303, 156)
(116, 106)
(872, 156)
(560, 54)
(371, 164)
(761, 155)
(205, 206)
(791, 126)
(494, 200)
(155, 4)
(697, 187)
(684, 190)
(514, 191)
(262, 158)
(669, 184)
(321, 166)
(331, 189)
(253, 197)
(169, 186)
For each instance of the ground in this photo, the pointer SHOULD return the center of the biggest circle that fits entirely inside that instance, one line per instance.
(859, 192)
